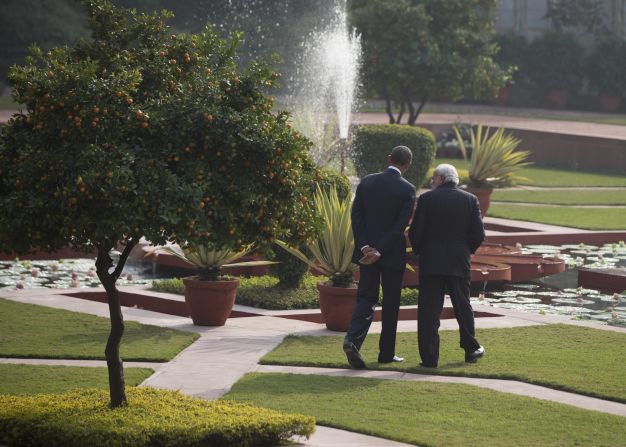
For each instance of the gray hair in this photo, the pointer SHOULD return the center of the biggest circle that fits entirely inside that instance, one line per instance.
(401, 155)
(448, 172)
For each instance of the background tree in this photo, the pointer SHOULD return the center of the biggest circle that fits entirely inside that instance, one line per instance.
(587, 15)
(141, 133)
(417, 50)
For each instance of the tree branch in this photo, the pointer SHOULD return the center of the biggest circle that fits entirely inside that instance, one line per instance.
(388, 108)
(130, 244)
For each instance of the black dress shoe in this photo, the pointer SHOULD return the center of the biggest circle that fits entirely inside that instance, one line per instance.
(424, 365)
(394, 359)
(354, 357)
(471, 357)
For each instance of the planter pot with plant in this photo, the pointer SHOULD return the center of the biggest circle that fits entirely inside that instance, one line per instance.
(493, 163)
(332, 255)
(210, 296)
(554, 64)
(605, 69)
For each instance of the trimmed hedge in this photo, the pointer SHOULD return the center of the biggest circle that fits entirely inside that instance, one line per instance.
(264, 292)
(373, 143)
(152, 418)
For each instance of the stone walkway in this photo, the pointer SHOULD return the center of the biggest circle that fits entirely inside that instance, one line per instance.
(210, 366)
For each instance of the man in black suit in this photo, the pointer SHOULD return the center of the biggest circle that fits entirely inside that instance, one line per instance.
(382, 207)
(446, 229)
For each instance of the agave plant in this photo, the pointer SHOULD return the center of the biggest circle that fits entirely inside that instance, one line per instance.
(332, 250)
(208, 260)
(494, 160)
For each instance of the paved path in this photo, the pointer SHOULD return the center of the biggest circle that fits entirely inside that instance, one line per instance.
(510, 122)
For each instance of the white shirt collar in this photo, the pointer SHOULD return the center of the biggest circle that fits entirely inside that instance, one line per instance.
(396, 169)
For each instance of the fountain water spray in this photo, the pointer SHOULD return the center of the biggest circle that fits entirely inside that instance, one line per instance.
(326, 85)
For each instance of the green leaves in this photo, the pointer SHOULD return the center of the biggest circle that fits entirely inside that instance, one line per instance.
(494, 161)
(333, 248)
(171, 139)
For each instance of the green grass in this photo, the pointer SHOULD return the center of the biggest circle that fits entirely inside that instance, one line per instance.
(576, 197)
(36, 379)
(31, 331)
(263, 292)
(431, 414)
(582, 360)
(543, 176)
(586, 218)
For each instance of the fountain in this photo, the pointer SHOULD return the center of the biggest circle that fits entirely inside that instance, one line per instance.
(325, 85)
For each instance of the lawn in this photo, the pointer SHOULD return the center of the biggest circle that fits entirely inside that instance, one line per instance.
(36, 379)
(575, 197)
(578, 359)
(431, 414)
(542, 176)
(31, 331)
(586, 218)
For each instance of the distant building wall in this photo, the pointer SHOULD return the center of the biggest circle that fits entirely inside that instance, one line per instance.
(527, 17)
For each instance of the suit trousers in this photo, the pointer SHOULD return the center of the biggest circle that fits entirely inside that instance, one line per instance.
(430, 304)
(370, 280)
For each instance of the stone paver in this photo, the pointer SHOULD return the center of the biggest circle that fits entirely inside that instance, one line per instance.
(88, 363)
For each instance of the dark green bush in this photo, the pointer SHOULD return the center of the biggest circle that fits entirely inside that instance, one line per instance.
(264, 292)
(290, 270)
(606, 67)
(555, 61)
(373, 143)
(152, 418)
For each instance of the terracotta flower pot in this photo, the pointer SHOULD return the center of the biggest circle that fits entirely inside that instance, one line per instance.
(337, 305)
(609, 103)
(558, 98)
(210, 302)
(484, 198)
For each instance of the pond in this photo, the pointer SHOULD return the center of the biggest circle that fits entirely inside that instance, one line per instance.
(556, 294)
(559, 294)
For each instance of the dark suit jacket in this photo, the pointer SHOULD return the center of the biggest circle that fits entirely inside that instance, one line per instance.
(446, 228)
(381, 211)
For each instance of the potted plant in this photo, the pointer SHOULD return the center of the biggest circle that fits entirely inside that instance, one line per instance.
(606, 73)
(332, 255)
(494, 162)
(210, 296)
(555, 65)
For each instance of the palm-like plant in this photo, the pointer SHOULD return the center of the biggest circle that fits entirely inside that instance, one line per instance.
(208, 260)
(494, 161)
(332, 250)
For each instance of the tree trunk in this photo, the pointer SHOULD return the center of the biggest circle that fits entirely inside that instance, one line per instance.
(414, 113)
(392, 120)
(401, 113)
(112, 350)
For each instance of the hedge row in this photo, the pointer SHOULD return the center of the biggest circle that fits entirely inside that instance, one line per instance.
(152, 418)
(264, 292)
(373, 143)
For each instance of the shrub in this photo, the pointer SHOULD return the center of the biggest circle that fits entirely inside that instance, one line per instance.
(290, 270)
(512, 53)
(555, 62)
(606, 67)
(264, 292)
(373, 142)
(154, 417)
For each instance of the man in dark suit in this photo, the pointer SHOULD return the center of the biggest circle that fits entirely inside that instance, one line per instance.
(382, 207)
(446, 229)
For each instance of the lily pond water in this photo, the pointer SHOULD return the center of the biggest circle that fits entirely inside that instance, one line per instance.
(559, 294)
(556, 294)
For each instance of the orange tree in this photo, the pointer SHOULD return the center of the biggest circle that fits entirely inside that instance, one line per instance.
(138, 133)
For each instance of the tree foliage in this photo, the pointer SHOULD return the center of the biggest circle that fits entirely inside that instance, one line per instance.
(138, 132)
(417, 50)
